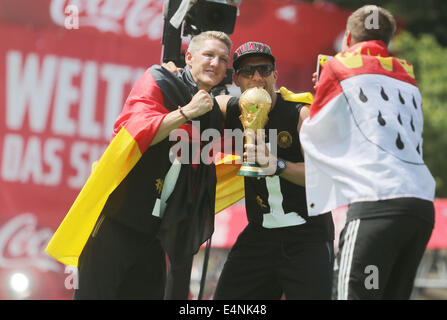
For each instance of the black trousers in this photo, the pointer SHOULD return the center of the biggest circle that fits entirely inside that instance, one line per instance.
(179, 279)
(378, 257)
(120, 263)
(270, 267)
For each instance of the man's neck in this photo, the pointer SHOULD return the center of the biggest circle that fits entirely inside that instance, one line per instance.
(274, 99)
(201, 87)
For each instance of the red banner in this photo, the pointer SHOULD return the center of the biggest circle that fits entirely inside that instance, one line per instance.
(59, 100)
(438, 239)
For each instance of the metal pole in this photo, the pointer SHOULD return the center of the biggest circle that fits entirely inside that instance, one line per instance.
(205, 268)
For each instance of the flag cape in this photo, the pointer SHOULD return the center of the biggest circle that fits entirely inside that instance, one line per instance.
(147, 105)
(363, 139)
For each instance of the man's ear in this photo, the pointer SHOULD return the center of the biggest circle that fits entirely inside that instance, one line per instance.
(188, 58)
(235, 79)
(348, 38)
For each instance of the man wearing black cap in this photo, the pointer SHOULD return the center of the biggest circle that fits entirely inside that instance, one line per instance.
(282, 251)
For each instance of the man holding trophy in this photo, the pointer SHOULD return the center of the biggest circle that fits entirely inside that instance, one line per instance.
(282, 251)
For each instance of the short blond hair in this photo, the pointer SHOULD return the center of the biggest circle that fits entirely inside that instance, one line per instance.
(360, 29)
(197, 40)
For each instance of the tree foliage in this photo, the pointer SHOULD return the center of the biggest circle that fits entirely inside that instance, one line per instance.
(428, 58)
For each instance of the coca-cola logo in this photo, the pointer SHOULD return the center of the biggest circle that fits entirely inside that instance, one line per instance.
(22, 244)
(135, 18)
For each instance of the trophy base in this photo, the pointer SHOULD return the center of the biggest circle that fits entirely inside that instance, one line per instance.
(251, 170)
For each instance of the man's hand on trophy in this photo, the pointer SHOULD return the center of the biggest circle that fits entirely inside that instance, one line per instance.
(256, 151)
(200, 104)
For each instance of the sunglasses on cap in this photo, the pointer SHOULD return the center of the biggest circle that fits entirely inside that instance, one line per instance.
(248, 71)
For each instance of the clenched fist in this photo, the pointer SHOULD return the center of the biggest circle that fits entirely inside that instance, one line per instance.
(170, 66)
(200, 104)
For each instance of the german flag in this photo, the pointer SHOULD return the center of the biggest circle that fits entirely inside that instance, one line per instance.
(154, 95)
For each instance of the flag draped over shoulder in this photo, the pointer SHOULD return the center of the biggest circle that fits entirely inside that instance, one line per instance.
(230, 186)
(302, 97)
(363, 139)
(154, 95)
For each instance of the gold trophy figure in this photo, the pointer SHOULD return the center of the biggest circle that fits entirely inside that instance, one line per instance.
(254, 104)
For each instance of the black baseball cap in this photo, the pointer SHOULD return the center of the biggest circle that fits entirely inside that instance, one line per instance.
(251, 49)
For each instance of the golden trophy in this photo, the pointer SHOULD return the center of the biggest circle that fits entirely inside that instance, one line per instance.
(254, 104)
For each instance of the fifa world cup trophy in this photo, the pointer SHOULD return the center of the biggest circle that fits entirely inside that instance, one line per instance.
(255, 105)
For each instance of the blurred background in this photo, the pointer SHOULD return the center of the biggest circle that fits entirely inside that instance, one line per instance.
(66, 67)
